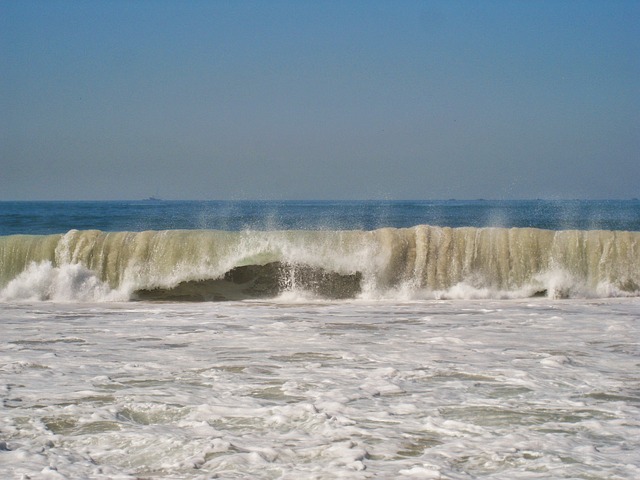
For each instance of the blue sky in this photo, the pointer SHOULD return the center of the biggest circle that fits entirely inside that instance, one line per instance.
(319, 100)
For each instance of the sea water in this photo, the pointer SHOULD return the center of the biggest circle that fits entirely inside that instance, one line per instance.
(320, 340)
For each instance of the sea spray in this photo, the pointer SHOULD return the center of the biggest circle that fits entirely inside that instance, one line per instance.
(66, 283)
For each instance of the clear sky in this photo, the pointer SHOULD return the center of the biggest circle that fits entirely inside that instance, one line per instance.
(319, 99)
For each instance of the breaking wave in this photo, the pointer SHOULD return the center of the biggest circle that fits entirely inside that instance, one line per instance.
(418, 262)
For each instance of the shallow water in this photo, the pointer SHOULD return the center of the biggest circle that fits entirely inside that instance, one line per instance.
(459, 389)
(382, 379)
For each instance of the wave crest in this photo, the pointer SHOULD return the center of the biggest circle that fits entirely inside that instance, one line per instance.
(418, 262)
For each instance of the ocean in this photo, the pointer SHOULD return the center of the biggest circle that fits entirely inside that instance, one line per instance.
(320, 340)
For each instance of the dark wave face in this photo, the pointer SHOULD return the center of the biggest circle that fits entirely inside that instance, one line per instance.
(260, 281)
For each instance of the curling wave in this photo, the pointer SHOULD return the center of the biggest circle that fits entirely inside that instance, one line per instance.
(418, 262)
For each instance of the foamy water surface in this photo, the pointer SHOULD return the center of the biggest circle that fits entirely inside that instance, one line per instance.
(458, 389)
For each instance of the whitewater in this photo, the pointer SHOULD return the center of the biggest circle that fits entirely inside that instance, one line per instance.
(312, 341)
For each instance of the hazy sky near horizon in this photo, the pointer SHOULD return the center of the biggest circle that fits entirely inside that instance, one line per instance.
(319, 100)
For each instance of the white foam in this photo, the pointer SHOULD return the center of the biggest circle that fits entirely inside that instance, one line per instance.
(359, 389)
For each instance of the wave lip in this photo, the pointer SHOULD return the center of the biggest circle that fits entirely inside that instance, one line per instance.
(418, 262)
